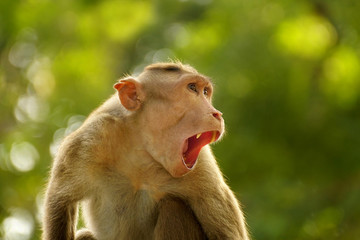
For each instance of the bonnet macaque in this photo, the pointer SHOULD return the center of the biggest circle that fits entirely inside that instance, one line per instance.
(141, 165)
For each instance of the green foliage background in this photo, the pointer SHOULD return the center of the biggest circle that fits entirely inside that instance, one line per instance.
(287, 79)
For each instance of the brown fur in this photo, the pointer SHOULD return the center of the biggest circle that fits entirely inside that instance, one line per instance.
(124, 165)
(174, 214)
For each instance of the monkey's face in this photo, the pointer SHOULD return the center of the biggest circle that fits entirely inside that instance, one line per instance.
(178, 120)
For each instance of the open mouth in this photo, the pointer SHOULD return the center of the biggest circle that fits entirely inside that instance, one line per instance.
(193, 145)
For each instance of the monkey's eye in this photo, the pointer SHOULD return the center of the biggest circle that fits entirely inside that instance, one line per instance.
(192, 87)
(206, 91)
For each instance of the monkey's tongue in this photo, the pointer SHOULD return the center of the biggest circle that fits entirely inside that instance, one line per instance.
(194, 144)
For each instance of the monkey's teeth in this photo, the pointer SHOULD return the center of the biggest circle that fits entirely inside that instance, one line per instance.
(186, 164)
(213, 138)
(197, 136)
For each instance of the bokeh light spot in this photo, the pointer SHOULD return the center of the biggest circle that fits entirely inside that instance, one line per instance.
(23, 156)
(18, 226)
(306, 36)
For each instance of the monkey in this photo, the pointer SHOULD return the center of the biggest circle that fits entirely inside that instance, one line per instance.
(141, 165)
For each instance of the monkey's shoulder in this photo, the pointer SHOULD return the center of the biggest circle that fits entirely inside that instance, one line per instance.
(88, 138)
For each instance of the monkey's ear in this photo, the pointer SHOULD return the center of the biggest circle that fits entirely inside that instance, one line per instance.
(130, 93)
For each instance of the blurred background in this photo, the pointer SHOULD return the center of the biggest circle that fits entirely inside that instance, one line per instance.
(287, 77)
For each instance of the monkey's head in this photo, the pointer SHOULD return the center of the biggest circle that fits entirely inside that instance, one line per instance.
(172, 105)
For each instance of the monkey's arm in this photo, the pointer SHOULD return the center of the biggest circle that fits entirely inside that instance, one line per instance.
(60, 216)
(66, 187)
(219, 215)
(213, 203)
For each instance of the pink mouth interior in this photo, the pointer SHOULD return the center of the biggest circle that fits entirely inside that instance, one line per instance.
(193, 145)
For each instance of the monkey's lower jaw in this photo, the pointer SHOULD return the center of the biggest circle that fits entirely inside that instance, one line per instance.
(193, 145)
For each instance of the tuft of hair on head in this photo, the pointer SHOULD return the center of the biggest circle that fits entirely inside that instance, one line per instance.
(126, 75)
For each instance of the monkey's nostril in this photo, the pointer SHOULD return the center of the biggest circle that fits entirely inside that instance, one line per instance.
(217, 115)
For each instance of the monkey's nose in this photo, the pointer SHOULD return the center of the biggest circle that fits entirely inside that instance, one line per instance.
(217, 115)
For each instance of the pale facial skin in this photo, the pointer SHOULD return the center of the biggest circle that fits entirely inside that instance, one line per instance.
(175, 139)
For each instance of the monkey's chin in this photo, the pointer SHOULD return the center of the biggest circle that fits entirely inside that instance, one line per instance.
(193, 145)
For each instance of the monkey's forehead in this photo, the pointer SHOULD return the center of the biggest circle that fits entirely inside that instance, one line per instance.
(174, 71)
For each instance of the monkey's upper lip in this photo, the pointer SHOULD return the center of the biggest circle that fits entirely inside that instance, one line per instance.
(193, 145)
